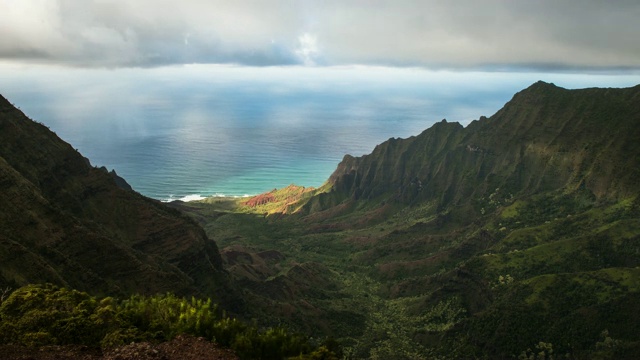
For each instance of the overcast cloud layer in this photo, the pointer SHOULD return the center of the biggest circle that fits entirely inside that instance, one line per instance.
(461, 34)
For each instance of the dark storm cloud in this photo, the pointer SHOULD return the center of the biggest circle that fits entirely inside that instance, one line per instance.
(568, 34)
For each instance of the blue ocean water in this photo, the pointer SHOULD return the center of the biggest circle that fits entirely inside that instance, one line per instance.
(189, 132)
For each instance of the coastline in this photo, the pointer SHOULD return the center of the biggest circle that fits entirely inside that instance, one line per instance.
(198, 197)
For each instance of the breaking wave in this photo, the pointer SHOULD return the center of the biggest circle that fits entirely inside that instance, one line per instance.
(196, 197)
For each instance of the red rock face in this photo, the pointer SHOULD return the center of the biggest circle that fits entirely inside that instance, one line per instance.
(280, 198)
(261, 199)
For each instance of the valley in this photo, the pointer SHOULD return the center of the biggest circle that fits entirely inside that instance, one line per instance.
(404, 286)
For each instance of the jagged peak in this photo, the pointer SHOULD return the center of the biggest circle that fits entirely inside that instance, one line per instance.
(444, 122)
(543, 84)
(534, 92)
(442, 125)
(540, 87)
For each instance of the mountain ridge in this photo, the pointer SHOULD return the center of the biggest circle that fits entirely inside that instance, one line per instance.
(61, 215)
(512, 146)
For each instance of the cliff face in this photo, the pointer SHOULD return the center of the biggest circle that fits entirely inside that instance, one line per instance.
(546, 138)
(66, 222)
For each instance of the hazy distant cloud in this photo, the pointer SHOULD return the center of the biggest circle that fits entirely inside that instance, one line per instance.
(543, 34)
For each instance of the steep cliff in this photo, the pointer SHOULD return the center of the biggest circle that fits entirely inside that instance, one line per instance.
(66, 222)
(545, 138)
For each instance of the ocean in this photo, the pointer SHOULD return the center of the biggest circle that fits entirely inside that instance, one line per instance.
(189, 132)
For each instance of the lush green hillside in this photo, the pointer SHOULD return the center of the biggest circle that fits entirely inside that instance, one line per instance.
(546, 138)
(516, 235)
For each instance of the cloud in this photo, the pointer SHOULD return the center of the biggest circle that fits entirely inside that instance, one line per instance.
(307, 50)
(545, 34)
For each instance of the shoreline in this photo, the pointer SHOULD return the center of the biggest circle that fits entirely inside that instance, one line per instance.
(198, 197)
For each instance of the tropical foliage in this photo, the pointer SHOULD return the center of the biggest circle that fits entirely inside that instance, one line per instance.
(37, 315)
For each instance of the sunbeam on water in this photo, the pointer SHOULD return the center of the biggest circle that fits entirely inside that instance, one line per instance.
(194, 131)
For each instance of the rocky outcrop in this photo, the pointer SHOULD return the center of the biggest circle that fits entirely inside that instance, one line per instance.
(66, 222)
(283, 200)
(261, 199)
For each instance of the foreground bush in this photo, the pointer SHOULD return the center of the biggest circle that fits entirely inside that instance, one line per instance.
(37, 315)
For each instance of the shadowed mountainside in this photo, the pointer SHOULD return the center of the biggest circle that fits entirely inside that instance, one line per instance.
(68, 223)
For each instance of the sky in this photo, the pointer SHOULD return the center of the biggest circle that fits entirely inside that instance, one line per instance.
(492, 35)
(371, 69)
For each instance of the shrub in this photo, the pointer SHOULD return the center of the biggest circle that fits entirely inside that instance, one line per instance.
(37, 315)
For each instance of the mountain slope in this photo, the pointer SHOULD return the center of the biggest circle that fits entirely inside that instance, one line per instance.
(66, 222)
(526, 222)
(546, 138)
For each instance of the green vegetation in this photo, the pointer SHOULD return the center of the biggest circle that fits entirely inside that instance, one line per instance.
(552, 269)
(516, 236)
(37, 315)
